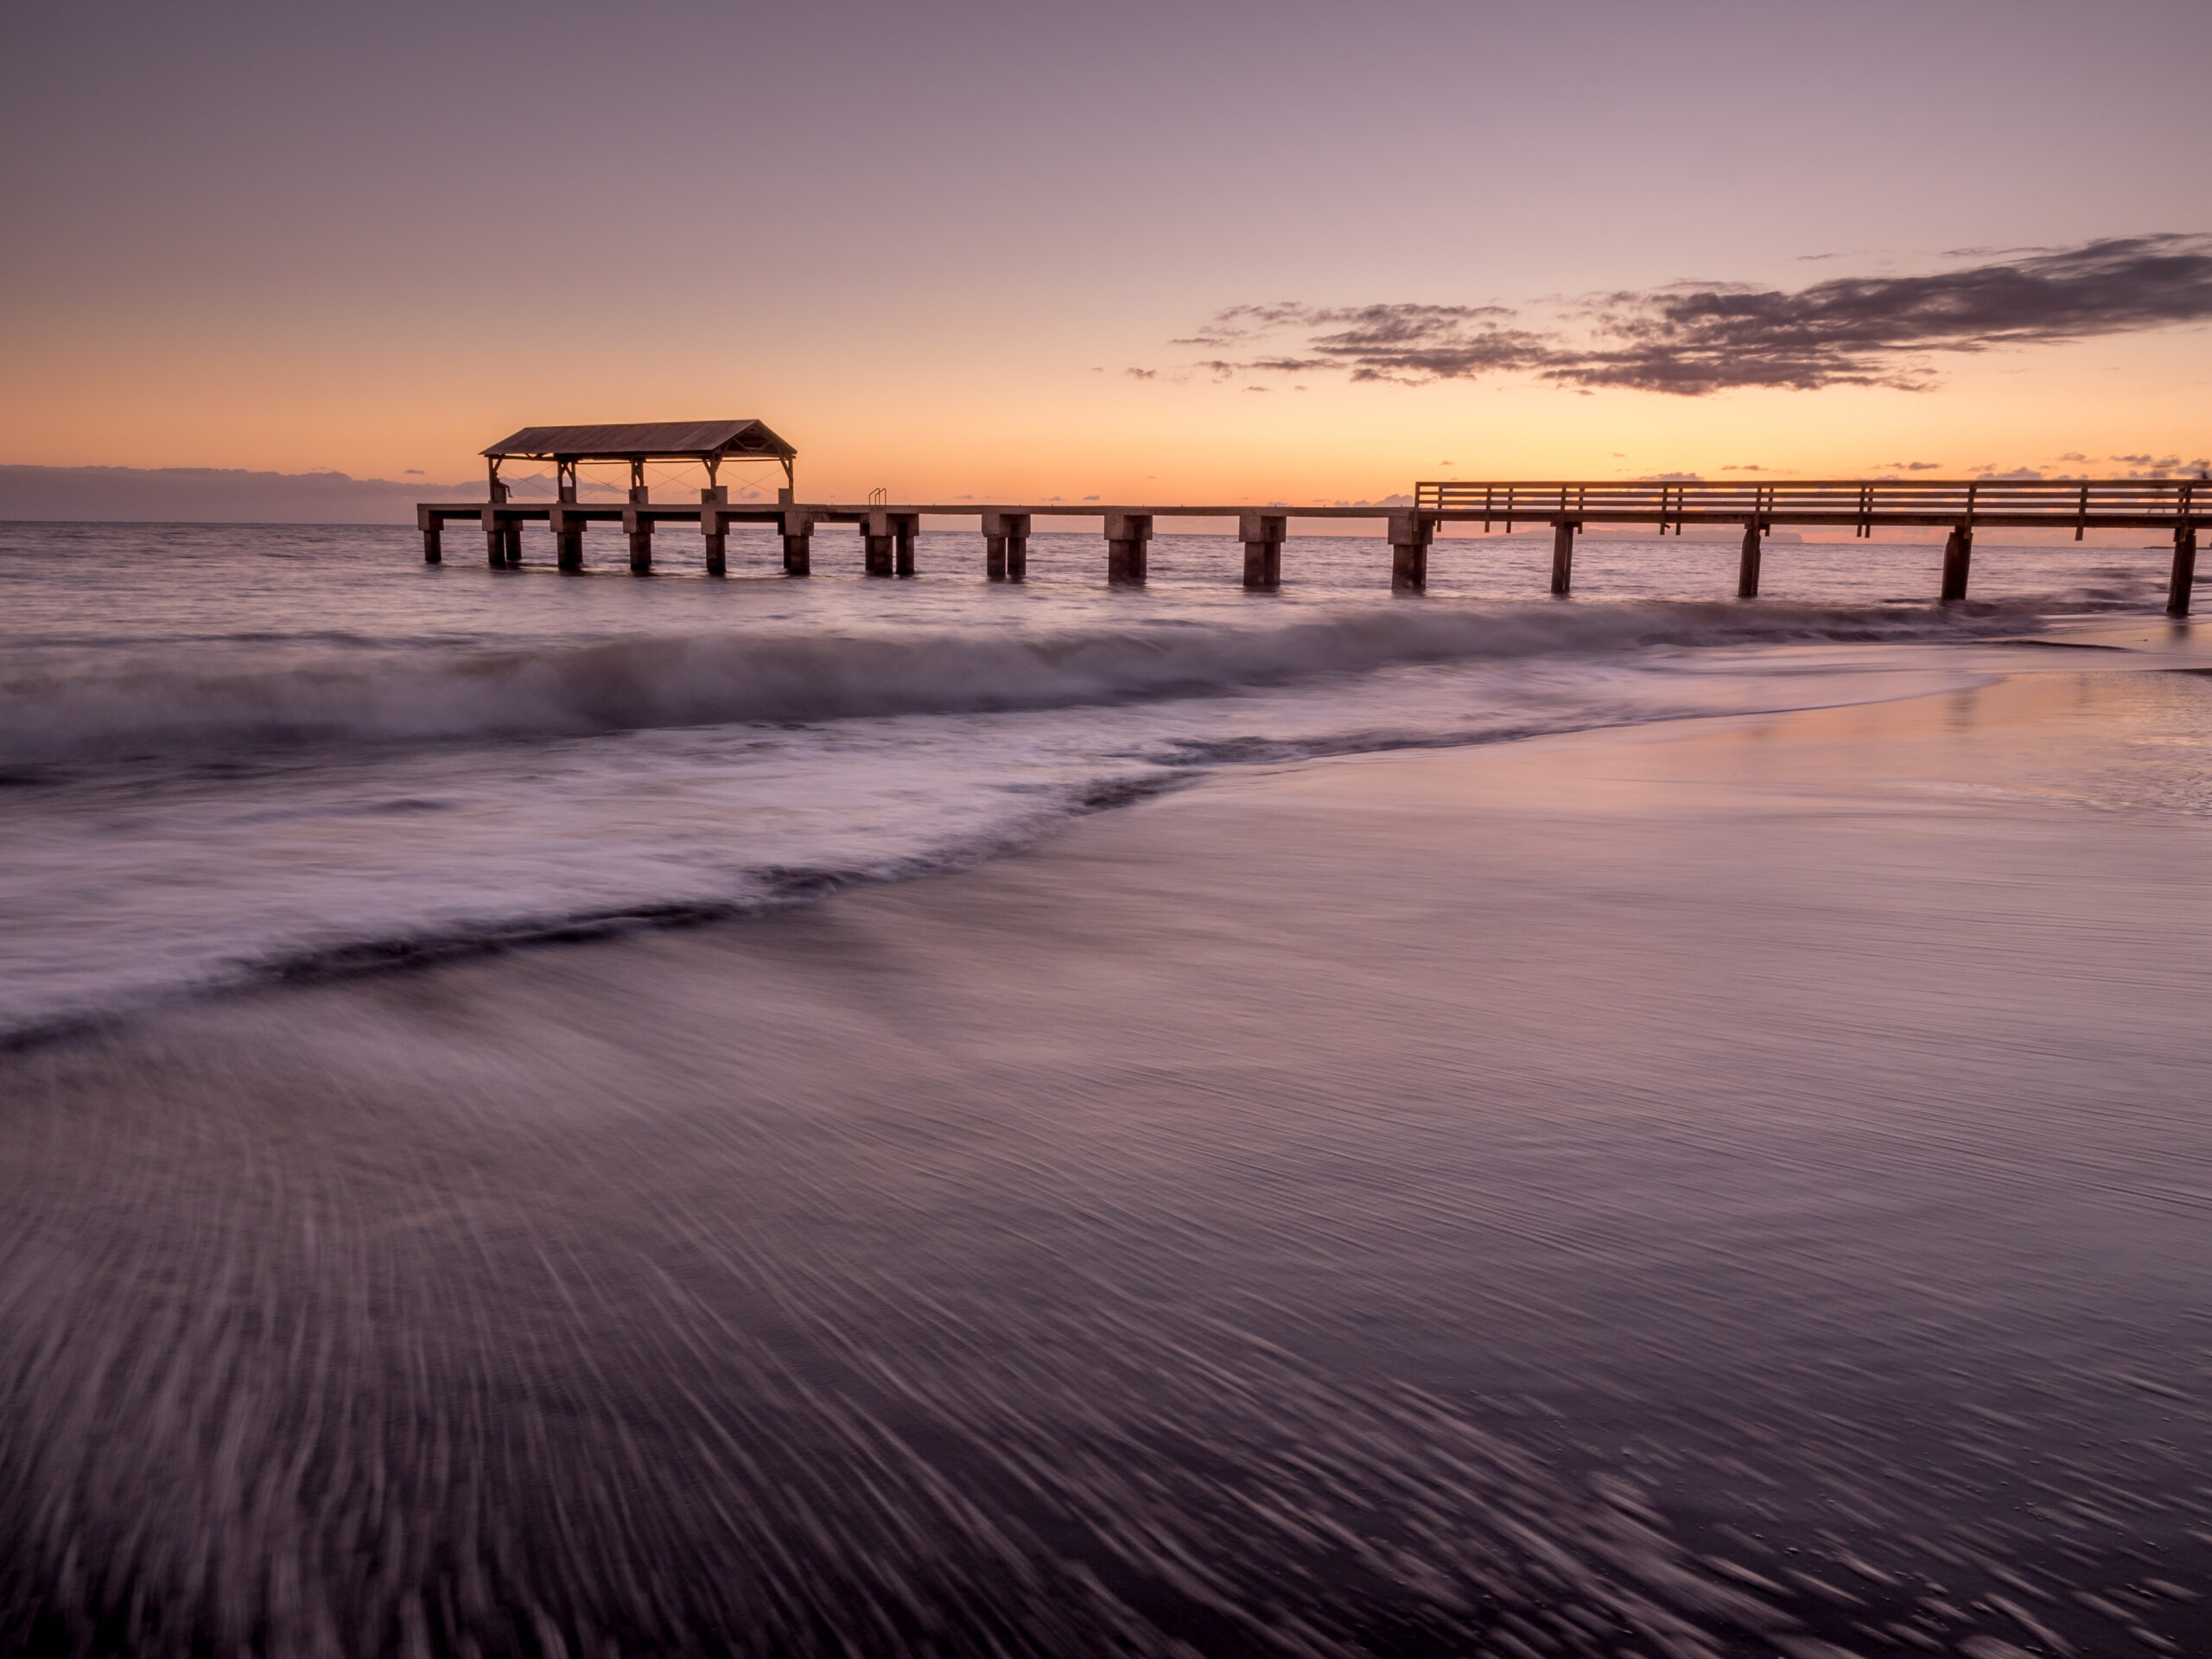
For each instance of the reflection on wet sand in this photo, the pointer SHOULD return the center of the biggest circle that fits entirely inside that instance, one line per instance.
(1719, 1189)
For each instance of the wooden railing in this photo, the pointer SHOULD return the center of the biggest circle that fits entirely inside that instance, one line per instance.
(2081, 504)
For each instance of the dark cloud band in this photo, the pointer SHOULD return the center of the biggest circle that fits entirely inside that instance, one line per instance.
(1692, 339)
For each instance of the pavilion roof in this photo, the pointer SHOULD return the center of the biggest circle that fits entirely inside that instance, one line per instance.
(652, 440)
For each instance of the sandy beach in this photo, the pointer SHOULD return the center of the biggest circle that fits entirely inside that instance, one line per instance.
(1721, 1186)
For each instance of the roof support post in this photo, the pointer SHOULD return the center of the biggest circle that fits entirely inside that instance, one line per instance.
(1747, 572)
(1410, 535)
(1563, 555)
(564, 477)
(493, 489)
(2184, 577)
(639, 493)
(1262, 536)
(567, 539)
(1126, 536)
(1958, 559)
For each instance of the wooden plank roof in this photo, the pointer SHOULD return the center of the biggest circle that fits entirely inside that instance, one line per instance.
(661, 440)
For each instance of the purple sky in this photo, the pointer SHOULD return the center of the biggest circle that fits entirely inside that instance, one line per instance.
(929, 242)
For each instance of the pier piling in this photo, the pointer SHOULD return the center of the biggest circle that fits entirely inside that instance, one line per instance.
(1410, 535)
(1127, 533)
(434, 543)
(567, 539)
(1262, 535)
(798, 544)
(1747, 571)
(1563, 558)
(639, 529)
(1957, 561)
(876, 552)
(2183, 578)
(1005, 546)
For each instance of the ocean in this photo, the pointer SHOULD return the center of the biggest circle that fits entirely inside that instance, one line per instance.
(232, 753)
(586, 1116)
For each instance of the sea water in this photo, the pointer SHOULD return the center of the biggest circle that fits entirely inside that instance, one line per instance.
(235, 750)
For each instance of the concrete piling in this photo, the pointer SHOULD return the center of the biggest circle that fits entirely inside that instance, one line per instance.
(1262, 535)
(1005, 546)
(1127, 533)
(1747, 571)
(1958, 562)
(876, 552)
(1410, 535)
(798, 544)
(2184, 577)
(568, 540)
(639, 529)
(1563, 558)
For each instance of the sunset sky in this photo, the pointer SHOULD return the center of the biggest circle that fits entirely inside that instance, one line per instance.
(1139, 250)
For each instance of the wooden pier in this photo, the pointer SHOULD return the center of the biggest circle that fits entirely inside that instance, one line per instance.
(887, 533)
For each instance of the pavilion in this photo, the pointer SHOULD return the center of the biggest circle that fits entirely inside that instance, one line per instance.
(709, 443)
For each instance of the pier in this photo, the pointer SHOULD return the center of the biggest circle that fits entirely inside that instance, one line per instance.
(887, 532)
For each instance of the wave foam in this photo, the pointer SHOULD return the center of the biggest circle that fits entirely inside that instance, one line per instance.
(182, 704)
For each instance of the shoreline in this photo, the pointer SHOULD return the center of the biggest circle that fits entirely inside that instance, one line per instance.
(1737, 1180)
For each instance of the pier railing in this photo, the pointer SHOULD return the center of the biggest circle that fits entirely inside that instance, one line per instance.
(2079, 504)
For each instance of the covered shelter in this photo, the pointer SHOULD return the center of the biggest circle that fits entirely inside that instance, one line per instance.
(710, 443)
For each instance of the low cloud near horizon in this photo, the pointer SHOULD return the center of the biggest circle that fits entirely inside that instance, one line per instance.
(1693, 338)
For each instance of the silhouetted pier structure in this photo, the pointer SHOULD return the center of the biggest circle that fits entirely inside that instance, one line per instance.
(887, 532)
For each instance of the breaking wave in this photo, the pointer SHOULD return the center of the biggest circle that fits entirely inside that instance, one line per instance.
(189, 702)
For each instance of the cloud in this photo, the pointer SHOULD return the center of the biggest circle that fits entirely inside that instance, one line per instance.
(1090, 498)
(1691, 338)
(1746, 467)
(412, 472)
(1142, 374)
(1911, 466)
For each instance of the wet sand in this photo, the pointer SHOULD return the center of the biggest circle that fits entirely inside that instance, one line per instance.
(1728, 1187)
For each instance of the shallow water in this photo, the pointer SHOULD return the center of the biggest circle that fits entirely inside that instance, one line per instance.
(1730, 1188)
(229, 750)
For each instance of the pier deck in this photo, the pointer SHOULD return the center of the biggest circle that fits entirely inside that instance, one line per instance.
(887, 532)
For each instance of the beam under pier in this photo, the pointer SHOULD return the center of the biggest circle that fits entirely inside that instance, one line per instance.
(1747, 572)
(2184, 577)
